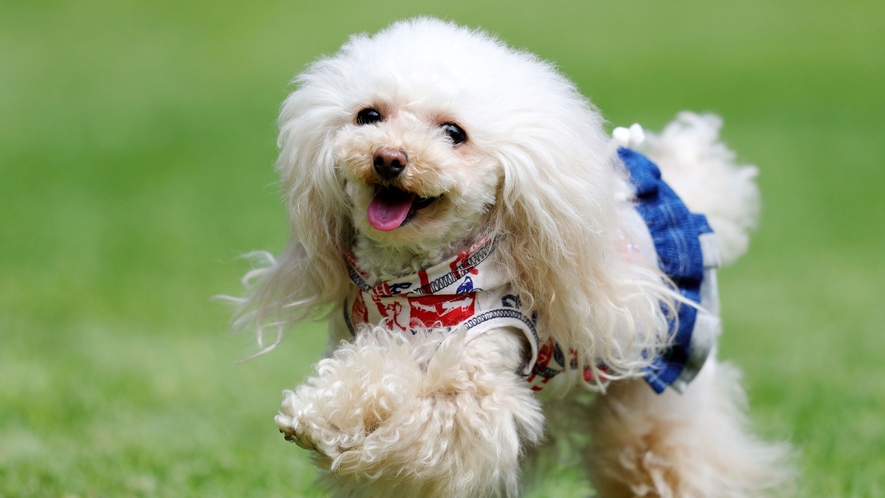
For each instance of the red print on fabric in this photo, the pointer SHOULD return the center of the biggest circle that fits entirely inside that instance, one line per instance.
(442, 310)
(545, 354)
(359, 314)
(460, 262)
(391, 311)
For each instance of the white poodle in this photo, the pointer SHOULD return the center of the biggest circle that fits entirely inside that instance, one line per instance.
(487, 256)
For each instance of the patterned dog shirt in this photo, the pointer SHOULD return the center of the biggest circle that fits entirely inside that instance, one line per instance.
(469, 292)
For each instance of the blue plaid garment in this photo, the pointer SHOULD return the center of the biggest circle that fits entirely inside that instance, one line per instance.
(676, 234)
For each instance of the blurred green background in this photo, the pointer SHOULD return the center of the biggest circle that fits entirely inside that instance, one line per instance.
(136, 150)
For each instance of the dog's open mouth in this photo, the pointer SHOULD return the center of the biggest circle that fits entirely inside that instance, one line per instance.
(391, 207)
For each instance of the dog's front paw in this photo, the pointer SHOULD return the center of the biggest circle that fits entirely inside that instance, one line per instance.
(292, 421)
(317, 417)
(351, 395)
(431, 416)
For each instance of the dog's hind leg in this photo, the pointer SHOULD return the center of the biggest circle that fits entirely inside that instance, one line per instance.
(690, 445)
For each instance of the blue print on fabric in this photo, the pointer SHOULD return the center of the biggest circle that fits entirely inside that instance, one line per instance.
(466, 286)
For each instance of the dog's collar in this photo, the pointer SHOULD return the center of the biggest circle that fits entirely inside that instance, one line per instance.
(441, 278)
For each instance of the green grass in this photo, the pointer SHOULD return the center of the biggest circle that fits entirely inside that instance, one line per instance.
(136, 143)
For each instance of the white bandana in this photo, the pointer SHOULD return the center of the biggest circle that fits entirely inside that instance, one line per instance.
(466, 292)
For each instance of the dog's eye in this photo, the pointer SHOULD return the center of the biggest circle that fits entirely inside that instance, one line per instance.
(368, 116)
(454, 132)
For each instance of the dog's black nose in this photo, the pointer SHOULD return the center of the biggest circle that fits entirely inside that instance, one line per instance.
(389, 163)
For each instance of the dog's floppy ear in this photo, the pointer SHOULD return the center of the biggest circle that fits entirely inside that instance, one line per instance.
(557, 222)
(310, 274)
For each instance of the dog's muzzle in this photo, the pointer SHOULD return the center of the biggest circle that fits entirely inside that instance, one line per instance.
(389, 163)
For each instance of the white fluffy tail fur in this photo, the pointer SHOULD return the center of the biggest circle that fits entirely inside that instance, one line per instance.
(703, 171)
(694, 445)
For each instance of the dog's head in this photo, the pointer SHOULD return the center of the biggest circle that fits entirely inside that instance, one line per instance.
(411, 136)
(428, 134)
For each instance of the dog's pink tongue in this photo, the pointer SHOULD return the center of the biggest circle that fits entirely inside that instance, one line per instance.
(389, 208)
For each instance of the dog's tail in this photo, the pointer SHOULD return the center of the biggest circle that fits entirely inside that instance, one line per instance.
(705, 174)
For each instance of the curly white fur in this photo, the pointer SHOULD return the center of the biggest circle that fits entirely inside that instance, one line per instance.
(693, 445)
(384, 412)
(437, 415)
(704, 173)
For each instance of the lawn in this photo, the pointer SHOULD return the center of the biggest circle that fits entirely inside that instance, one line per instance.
(136, 149)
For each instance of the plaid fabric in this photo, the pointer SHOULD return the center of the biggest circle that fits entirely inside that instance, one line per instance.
(677, 235)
